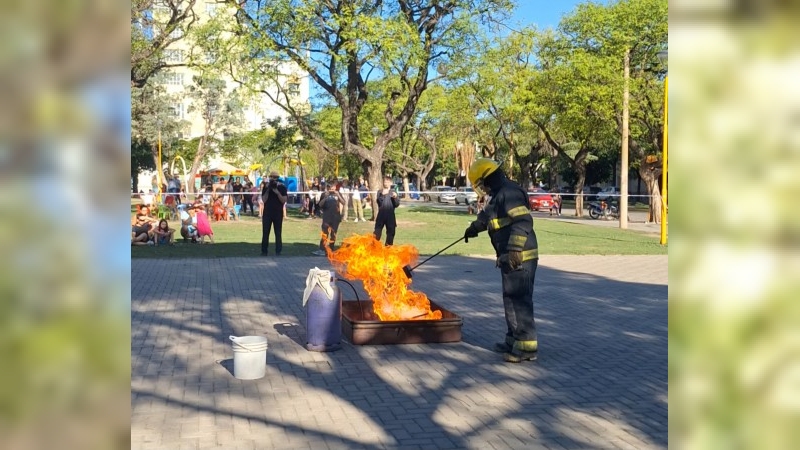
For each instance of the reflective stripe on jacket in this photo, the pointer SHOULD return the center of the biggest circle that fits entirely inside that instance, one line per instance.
(507, 218)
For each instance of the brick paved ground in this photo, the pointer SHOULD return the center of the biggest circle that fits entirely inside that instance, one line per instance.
(600, 381)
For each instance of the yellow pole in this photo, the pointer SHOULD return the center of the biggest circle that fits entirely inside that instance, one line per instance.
(664, 164)
(337, 166)
(160, 169)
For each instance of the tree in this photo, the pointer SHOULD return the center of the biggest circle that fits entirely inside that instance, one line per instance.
(503, 71)
(155, 24)
(570, 98)
(339, 44)
(141, 159)
(152, 118)
(638, 28)
(221, 111)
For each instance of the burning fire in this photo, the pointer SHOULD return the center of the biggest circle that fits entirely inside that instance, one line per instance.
(380, 268)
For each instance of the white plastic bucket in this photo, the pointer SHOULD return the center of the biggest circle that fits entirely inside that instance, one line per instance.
(249, 357)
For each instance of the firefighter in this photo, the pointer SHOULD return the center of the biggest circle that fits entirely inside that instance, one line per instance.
(508, 219)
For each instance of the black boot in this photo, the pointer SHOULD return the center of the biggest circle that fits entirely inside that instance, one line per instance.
(522, 351)
(504, 347)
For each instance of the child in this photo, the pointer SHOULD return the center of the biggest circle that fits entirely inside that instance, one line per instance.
(219, 211)
(555, 207)
(163, 234)
(204, 226)
(387, 201)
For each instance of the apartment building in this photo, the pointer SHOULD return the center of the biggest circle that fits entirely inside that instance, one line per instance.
(176, 80)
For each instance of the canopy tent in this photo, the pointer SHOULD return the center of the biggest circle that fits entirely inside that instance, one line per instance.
(224, 168)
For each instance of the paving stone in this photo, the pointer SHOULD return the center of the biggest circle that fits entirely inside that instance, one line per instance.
(601, 378)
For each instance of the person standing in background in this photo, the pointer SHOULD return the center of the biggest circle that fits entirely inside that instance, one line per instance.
(387, 202)
(331, 204)
(345, 191)
(274, 195)
(358, 208)
(247, 198)
(314, 194)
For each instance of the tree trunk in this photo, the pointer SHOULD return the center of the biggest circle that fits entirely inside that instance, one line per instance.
(375, 179)
(580, 170)
(201, 151)
(154, 151)
(650, 173)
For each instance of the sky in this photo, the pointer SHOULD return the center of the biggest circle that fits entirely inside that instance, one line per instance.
(544, 13)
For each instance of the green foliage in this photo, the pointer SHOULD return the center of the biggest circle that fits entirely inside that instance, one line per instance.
(141, 158)
(185, 148)
(340, 45)
(152, 119)
(152, 114)
(153, 31)
(220, 108)
(637, 26)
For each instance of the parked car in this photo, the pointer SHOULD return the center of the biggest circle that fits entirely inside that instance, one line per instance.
(540, 199)
(413, 192)
(590, 192)
(466, 195)
(607, 193)
(443, 194)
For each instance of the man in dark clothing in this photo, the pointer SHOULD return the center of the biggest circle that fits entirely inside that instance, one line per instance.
(387, 201)
(508, 219)
(237, 189)
(174, 187)
(274, 194)
(247, 199)
(330, 203)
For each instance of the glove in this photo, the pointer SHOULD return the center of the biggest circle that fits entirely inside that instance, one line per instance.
(514, 259)
(501, 261)
(470, 232)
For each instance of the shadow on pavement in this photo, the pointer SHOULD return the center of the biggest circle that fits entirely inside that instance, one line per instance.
(601, 378)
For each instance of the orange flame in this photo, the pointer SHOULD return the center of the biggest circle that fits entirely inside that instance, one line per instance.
(380, 268)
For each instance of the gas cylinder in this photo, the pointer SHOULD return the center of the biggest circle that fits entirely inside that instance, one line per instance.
(324, 319)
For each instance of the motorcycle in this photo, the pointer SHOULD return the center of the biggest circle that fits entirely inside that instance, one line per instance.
(604, 210)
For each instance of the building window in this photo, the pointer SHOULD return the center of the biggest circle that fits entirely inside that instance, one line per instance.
(173, 78)
(173, 56)
(177, 33)
(294, 88)
(176, 110)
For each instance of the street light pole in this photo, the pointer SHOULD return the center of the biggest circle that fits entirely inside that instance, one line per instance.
(664, 164)
(623, 170)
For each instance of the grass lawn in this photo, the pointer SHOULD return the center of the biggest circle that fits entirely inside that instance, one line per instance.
(426, 228)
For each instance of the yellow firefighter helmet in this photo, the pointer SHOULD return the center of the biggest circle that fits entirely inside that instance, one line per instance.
(479, 170)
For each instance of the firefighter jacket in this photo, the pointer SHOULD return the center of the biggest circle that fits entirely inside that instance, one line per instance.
(507, 218)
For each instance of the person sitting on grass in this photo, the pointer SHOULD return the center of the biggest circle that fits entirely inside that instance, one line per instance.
(142, 228)
(220, 212)
(188, 228)
(164, 234)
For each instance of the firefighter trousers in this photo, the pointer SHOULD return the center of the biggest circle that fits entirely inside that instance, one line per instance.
(518, 300)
